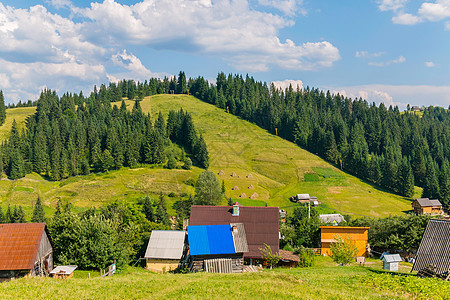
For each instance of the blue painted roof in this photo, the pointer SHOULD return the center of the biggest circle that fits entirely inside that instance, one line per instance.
(210, 239)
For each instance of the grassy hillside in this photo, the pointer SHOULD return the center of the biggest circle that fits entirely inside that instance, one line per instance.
(266, 166)
(324, 281)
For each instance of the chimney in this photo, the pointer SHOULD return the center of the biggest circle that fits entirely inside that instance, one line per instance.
(235, 210)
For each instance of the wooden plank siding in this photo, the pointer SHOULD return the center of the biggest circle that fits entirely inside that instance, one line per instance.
(359, 235)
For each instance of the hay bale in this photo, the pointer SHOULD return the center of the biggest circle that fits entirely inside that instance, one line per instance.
(235, 188)
(249, 176)
(243, 195)
(221, 172)
(254, 196)
(233, 174)
(251, 187)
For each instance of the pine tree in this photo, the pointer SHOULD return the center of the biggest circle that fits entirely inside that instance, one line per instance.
(16, 165)
(38, 212)
(181, 83)
(406, 179)
(58, 210)
(9, 215)
(201, 154)
(20, 217)
(147, 209)
(2, 216)
(2, 109)
(431, 186)
(161, 212)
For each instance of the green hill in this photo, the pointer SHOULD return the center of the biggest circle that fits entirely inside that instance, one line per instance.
(266, 167)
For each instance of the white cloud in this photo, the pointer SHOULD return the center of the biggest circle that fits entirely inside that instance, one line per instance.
(289, 7)
(285, 84)
(435, 11)
(399, 60)
(430, 64)
(58, 4)
(366, 54)
(406, 19)
(385, 5)
(399, 95)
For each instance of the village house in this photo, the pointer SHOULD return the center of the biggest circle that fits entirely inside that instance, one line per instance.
(423, 206)
(331, 219)
(217, 248)
(433, 250)
(25, 250)
(359, 235)
(164, 250)
(261, 224)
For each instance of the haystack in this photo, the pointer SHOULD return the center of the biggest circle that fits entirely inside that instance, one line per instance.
(235, 188)
(243, 195)
(249, 176)
(251, 187)
(221, 172)
(254, 196)
(233, 174)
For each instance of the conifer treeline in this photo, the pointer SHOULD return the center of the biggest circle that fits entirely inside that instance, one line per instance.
(61, 140)
(392, 149)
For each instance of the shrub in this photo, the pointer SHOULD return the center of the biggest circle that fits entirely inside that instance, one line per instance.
(307, 256)
(343, 250)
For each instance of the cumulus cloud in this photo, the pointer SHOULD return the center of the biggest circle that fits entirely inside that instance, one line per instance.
(289, 7)
(399, 60)
(400, 95)
(406, 19)
(385, 5)
(296, 84)
(430, 64)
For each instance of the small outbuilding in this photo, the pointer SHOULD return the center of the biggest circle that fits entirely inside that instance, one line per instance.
(390, 262)
(217, 248)
(359, 235)
(63, 272)
(165, 250)
(332, 219)
(25, 250)
(288, 259)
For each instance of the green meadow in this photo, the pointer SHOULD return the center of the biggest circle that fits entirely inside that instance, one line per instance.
(258, 169)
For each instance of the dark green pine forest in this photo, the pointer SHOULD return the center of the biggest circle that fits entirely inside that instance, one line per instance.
(74, 134)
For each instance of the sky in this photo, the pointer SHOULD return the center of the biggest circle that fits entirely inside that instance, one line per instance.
(391, 51)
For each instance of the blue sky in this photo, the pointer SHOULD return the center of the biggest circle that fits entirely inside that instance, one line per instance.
(391, 51)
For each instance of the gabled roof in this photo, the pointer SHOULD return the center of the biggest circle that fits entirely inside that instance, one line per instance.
(392, 258)
(165, 244)
(66, 270)
(434, 248)
(288, 256)
(19, 245)
(425, 202)
(210, 239)
(261, 224)
(331, 218)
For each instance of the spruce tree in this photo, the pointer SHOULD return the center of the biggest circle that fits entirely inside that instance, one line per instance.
(20, 217)
(16, 165)
(161, 211)
(9, 215)
(38, 212)
(59, 208)
(2, 216)
(181, 83)
(431, 186)
(2, 109)
(147, 209)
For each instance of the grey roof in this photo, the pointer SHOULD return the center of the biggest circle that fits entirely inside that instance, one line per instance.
(67, 270)
(425, 202)
(239, 238)
(302, 196)
(330, 218)
(434, 248)
(165, 244)
(392, 258)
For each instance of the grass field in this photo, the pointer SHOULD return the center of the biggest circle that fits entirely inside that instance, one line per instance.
(266, 167)
(323, 281)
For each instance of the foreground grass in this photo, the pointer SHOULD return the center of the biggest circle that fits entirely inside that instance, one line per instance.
(266, 166)
(324, 281)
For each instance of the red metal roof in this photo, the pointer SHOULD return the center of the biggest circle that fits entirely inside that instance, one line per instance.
(261, 224)
(19, 245)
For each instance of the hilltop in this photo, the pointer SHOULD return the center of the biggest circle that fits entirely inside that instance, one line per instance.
(276, 168)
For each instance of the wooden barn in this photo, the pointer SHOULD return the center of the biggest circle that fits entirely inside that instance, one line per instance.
(426, 206)
(261, 224)
(217, 248)
(25, 250)
(359, 235)
(434, 247)
(164, 250)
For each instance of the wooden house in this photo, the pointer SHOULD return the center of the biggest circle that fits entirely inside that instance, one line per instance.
(164, 250)
(434, 250)
(25, 250)
(359, 235)
(63, 272)
(390, 262)
(217, 248)
(331, 219)
(261, 224)
(426, 206)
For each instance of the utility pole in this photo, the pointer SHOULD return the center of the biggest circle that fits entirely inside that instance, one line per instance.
(309, 209)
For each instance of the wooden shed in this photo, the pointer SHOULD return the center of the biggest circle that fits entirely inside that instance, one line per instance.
(63, 272)
(165, 250)
(25, 250)
(390, 261)
(359, 235)
(261, 224)
(217, 248)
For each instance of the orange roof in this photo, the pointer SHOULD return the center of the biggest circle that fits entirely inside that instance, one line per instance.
(19, 245)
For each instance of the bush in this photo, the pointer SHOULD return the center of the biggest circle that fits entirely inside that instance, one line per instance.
(343, 250)
(307, 256)
(172, 194)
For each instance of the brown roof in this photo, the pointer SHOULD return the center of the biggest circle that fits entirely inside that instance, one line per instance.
(288, 256)
(425, 202)
(19, 245)
(261, 224)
